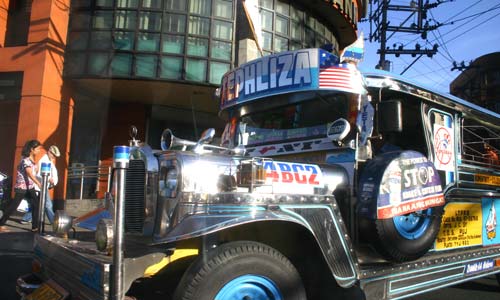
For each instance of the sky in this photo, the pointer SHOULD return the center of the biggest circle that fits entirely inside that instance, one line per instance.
(471, 29)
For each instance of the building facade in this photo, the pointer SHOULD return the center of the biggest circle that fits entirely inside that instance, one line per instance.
(103, 65)
(480, 82)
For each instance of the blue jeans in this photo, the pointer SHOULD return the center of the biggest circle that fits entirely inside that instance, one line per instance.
(49, 212)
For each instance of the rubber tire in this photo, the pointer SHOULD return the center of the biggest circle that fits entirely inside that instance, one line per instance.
(211, 272)
(397, 248)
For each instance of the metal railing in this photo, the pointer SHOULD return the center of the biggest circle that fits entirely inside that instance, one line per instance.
(87, 178)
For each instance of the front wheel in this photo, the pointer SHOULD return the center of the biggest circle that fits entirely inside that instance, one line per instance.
(241, 270)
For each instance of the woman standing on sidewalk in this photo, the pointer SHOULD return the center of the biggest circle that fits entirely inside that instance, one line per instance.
(25, 183)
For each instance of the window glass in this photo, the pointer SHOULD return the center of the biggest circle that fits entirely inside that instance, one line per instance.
(104, 3)
(150, 21)
(100, 40)
(266, 4)
(267, 39)
(281, 25)
(294, 45)
(127, 3)
(148, 41)
(77, 40)
(98, 63)
(125, 19)
(283, 8)
(223, 9)
(145, 65)
(176, 5)
(222, 30)
(296, 14)
(267, 19)
(196, 70)
(197, 47)
(174, 23)
(11, 85)
(171, 67)
(221, 50)
(74, 64)
(309, 38)
(123, 40)
(103, 19)
(296, 31)
(156, 4)
(173, 44)
(121, 64)
(201, 7)
(80, 20)
(216, 71)
(280, 44)
(199, 26)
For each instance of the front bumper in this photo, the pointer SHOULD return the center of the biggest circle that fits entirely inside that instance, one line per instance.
(79, 268)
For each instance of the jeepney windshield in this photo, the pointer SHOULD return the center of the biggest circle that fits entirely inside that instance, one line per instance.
(295, 121)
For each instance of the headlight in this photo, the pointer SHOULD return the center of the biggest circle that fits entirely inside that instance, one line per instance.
(104, 235)
(171, 182)
(62, 222)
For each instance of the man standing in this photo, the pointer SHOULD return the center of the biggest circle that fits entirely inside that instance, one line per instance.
(49, 157)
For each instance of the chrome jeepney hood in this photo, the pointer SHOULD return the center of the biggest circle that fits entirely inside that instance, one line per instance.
(208, 181)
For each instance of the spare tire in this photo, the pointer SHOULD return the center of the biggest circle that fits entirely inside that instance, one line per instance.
(401, 204)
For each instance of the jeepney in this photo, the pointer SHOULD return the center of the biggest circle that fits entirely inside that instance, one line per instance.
(328, 182)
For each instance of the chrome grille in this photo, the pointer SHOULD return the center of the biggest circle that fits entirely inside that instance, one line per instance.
(134, 196)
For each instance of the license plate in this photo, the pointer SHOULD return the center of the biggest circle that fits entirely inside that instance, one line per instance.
(48, 291)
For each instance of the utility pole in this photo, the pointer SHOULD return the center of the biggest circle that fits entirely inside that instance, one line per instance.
(380, 25)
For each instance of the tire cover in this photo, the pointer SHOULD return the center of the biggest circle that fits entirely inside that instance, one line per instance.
(398, 183)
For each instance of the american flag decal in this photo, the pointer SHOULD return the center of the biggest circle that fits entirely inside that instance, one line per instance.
(333, 75)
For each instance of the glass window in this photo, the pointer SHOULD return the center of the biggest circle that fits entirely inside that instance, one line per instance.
(280, 44)
(100, 40)
(104, 3)
(197, 47)
(199, 26)
(281, 25)
(127, 3)
(267, 19)
(310, 21)
(121, 64)
(171, 67)
(267, 39)
(294, 45)
(79, 3)
(156, 4)
(283, 8)
(216, 71)
(296, 31)
(309, 38)
(150, 21)
(221, 50)
(266, 3)
(296, 14)
(125, 19)
(103, 19)
(176, 5)
(196, 70)
(222, 30)
(80, 20)
(173, 44)
(98, 63)
(201, 7)
(174, 23)
(148, 42)
(74, 64)
(77, 40)
(145, 65)
(320, 28)
(223, 9)
(123, 40)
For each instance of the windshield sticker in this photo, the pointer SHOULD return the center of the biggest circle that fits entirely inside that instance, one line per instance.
(410, 183)
(461, 226)
(491, 226)
(444, 151)
(289, 148)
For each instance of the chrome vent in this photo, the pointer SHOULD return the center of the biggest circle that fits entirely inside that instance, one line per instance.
(134, 196)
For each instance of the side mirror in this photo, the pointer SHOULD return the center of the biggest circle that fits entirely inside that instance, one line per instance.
(390, 116)
(206, 136)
